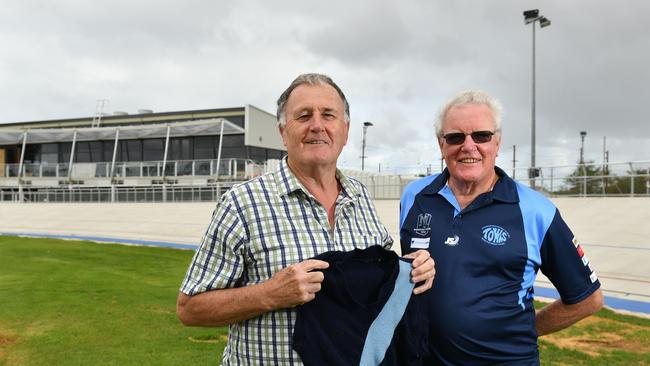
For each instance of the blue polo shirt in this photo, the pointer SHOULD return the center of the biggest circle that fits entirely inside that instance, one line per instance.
(487, 256)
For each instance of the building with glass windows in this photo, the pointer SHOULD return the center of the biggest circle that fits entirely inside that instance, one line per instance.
(136, 157)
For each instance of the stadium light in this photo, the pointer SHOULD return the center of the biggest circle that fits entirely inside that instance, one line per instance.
(582, 146)
(363, 143)
(532, 16)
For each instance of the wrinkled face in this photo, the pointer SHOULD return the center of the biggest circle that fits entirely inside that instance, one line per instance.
(470, 162)
(316, 131)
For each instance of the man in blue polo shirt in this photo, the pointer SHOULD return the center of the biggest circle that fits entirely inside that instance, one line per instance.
(489, 235)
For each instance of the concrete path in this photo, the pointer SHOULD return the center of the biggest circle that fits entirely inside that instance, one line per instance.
(615, 232)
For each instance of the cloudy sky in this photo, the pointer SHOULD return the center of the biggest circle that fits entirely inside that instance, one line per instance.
(397, 61)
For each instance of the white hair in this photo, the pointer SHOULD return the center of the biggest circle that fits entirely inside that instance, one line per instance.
(310, 79)
(470, 97)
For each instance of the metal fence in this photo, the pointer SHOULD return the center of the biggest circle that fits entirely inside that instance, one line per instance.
(226, 168)
(117, 194)
(584, 180)
(590, 179)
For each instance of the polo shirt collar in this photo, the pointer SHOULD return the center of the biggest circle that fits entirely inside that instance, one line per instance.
(505, 190)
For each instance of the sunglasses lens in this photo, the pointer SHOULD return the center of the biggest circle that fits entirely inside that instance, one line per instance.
(481, 137)
(455, 138)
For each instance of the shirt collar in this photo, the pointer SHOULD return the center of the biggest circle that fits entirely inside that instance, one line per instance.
(504, 190)
(288, 183)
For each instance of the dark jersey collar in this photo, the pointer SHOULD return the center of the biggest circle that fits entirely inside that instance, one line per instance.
(504, 190)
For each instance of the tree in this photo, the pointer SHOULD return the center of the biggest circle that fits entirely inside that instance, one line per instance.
(587, 178)
(623, 185)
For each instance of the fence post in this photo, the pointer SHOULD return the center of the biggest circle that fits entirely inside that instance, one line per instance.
(551, 180)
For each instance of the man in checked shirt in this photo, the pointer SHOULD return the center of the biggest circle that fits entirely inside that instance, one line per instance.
(252, 266)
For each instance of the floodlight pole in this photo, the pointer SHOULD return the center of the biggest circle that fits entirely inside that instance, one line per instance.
(582, 162)
(532, 118)
(363, 143)
(532, 16)
(582, 147)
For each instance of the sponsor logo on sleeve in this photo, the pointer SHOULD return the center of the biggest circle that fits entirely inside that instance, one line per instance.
(494, 235)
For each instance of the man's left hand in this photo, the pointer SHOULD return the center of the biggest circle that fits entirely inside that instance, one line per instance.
(424, 269)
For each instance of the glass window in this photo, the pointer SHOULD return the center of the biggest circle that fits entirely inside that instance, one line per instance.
(233, 152)
(256, 154)
(108, 151)
(180, 149)
(96, 151)
(32, 153)
(50, 153)
(154, 149)
(134, 150)
(66, 147)
(204, 147)
(232, 141)
(82, 152)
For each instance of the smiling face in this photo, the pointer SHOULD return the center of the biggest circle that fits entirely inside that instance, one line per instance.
(316, 130)
(470, 163)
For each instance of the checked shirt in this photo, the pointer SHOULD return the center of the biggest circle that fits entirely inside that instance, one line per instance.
(262, 226)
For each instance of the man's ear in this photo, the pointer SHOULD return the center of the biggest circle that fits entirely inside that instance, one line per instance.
(281, 129)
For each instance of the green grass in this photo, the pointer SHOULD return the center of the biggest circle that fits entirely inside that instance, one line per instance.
(83, 303)
(606, 339)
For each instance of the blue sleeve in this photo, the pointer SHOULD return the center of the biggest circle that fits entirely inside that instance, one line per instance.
(566, 264)
(404, 237)
(406, 204)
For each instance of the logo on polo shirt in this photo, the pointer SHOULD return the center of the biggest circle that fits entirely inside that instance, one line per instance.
(495, 235)
(585, 261)
(424, 224)
(452, 241)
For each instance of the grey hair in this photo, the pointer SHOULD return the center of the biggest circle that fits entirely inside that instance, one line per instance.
(311, 79)
(470, 97)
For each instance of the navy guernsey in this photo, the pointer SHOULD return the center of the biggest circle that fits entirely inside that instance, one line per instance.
(364, 314)
(487, 256)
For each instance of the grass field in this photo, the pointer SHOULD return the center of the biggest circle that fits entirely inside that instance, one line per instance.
(83, 303)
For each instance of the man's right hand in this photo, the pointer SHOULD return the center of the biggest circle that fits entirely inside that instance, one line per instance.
(296, 284)
(292, 286)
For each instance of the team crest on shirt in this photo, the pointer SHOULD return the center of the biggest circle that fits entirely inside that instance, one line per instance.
(494, 235)
(423, 225)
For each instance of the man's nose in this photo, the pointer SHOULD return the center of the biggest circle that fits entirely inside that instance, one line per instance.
(468, 144)
(317, 123)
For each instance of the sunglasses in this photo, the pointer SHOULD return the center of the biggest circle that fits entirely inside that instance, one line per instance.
(458, 138)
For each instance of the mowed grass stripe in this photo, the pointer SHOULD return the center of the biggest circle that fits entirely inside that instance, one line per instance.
(80, 303)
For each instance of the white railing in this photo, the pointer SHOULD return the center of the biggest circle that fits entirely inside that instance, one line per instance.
(589, 179)
(228, 169)
(117, 194)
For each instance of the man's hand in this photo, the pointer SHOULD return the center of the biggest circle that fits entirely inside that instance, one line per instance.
(557, 316)
(296, 284)
(424, 269)
(289, 287)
